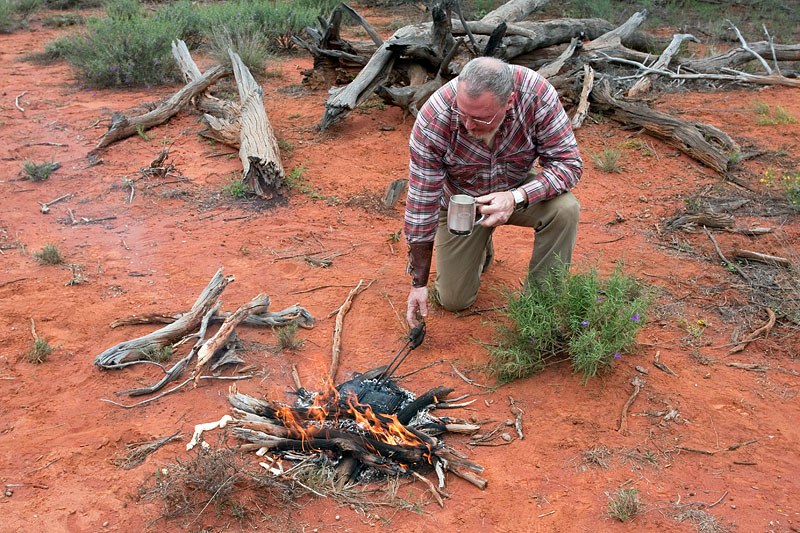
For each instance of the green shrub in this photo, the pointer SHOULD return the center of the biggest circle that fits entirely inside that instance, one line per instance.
(578, 317)
(50, 255)
(39, 171)
(608, 161)
(62, 19)
(247, 41)
(624, 504)
(14, 13)
(236, 188)
(287, 339)
(126, 48)
(155, 353)
(72, 4)
(39, 351)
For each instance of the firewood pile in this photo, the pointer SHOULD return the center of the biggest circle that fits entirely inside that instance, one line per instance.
(366, 426)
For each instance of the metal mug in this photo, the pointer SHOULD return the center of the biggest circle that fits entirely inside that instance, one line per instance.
(461, 215)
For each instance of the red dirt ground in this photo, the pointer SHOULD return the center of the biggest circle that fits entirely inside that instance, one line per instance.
(58, 440)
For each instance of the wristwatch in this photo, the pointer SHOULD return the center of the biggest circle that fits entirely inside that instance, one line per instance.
(519, 199)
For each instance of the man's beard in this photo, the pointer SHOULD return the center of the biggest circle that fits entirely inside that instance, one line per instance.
(485, 137)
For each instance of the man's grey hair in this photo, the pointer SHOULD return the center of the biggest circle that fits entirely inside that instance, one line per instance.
(484, 74)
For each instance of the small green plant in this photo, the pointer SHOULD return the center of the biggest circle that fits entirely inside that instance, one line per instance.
(287, 338)
(284, 145)
(790, 183)
(247, 41)
(236, 188)
(394, 237)
(580, 317)
(142, 134)
(637, 144)
(624, 504)
(39, 171)
(76, 275)
(772, 117)
(39, 351)
(608, 160)
(294, 116)
(50, 255)
(735, 157)
(156, 353)
(61, 20)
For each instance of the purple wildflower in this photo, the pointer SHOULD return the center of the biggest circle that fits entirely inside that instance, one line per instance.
(585, 323)
(617, 355)
(635, 318)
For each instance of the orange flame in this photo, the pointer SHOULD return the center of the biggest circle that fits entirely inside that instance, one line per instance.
(382, 427)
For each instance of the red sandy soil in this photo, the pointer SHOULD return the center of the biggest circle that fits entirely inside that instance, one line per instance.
(58, 440)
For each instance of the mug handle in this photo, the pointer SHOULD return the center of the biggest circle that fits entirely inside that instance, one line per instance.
(477, 222)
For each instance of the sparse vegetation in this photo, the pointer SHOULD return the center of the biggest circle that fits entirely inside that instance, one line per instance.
(76, 276)
(768, 116)
(608, 160)
(157, 354)
(287, 338)
(637, 144)
(49, 255)
(789, 183)
(236, 188)
(579, 317)
(39, 351)
(39, 171)
(624, 504)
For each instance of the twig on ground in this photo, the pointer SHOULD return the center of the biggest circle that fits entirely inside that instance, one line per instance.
(16, 100)
(765, 329)
(467, 380)
(337, 332)
(637, 383)
(517, 412)
(3, 284)
(296, 378)
(727, 263)
(420, 369)
(46, 206)
(431, 486)
(312, 289)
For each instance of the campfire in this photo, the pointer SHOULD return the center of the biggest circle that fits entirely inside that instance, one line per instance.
(365, 426)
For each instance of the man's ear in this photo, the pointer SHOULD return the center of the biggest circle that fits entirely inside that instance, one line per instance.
(510, 102)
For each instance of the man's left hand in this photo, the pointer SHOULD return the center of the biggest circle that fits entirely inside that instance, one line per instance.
(497, 206)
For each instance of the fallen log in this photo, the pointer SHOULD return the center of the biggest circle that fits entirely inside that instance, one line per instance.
(133, 349)
(294, 315)
(702, 142)
(259, 304)
(259, 152)
(122, 126)
(645, 82)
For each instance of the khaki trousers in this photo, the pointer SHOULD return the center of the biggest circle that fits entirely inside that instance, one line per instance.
(459, 260)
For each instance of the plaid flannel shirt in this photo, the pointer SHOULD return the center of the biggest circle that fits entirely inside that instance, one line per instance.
(445, 160)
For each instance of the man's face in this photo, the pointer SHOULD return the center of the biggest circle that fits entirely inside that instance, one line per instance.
(480, 116)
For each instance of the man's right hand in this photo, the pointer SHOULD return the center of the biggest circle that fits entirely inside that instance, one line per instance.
(417, 305)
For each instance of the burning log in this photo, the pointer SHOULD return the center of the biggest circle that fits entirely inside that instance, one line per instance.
(365, 423)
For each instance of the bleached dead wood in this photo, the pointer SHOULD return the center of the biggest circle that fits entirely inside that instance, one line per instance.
(261, 161)
(132, 350)
(204, 101)
(702, 142)
(644, 84)
(259, 304)
(513, 11)
(122, 126)
(583, 105)
(552, 68)
(738, 56)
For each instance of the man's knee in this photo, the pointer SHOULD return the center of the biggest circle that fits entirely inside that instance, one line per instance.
(455, 300)
(568, 210)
